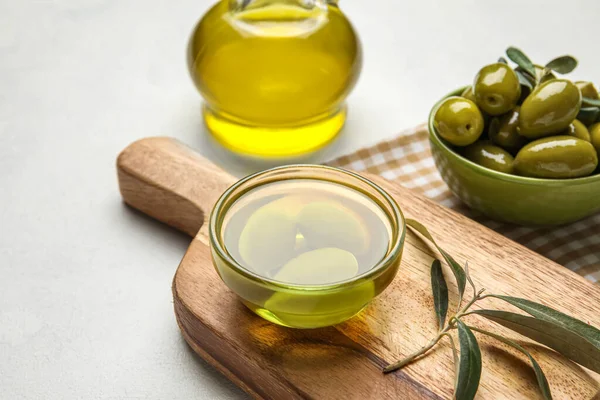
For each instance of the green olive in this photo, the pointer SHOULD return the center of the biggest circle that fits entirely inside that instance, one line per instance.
(578, 130)
(322, 266)
(557, 157)
(490, 156)
(587, 89)
(549, 109)
(595, 136)
(497, 89)
(504, 132)
(459, 121)
(331, 224)
(468, 94)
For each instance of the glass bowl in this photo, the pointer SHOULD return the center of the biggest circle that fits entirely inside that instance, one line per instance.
(307, 306)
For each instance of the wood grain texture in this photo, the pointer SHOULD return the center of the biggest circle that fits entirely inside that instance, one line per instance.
(170, 182)
(166, 180)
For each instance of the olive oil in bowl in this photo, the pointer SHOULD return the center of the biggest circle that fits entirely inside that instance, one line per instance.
(307, 232)
(307, 252)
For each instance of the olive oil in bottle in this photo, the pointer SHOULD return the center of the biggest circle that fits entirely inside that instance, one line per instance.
(274, 74)
(307, 233)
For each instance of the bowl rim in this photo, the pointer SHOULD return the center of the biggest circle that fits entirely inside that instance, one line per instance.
(434, 136)
(397, 220)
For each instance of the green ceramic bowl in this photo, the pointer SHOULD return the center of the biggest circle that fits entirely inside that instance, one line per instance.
(511, 198)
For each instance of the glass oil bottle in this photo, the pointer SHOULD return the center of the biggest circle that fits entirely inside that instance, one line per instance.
(274, 74)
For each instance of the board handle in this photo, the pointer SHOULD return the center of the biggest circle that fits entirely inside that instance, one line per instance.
(167, 180)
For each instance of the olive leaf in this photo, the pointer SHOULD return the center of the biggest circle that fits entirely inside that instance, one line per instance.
(524, 79)
(469, 370)
(457, 270)
(539, 374)
(587, 102)
(440, 292)
(519, 58)
(527, 84)
(563, 64)
(455, 357)
(570, 344)
(502, 60)
(548, 314)
(588, 115)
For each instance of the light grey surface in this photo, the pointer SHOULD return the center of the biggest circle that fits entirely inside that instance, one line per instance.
(85, 301)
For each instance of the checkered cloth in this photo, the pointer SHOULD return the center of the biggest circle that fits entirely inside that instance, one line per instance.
(407, 160)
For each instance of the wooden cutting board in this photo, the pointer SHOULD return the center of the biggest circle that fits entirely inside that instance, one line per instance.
(168, 181)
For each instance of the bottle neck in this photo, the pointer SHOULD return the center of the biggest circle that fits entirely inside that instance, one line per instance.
(239, 5)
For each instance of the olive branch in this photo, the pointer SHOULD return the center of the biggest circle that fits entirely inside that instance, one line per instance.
(569, 336)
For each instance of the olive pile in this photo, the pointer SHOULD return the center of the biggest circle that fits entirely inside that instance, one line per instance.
(525, 121)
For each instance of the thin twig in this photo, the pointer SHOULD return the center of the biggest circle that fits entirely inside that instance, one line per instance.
(469, 277)
(407, 360)
(468, 313)
(449, 325)
(476, 297)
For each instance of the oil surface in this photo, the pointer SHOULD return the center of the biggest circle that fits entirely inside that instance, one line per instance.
(274, 75)
(306, 232)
